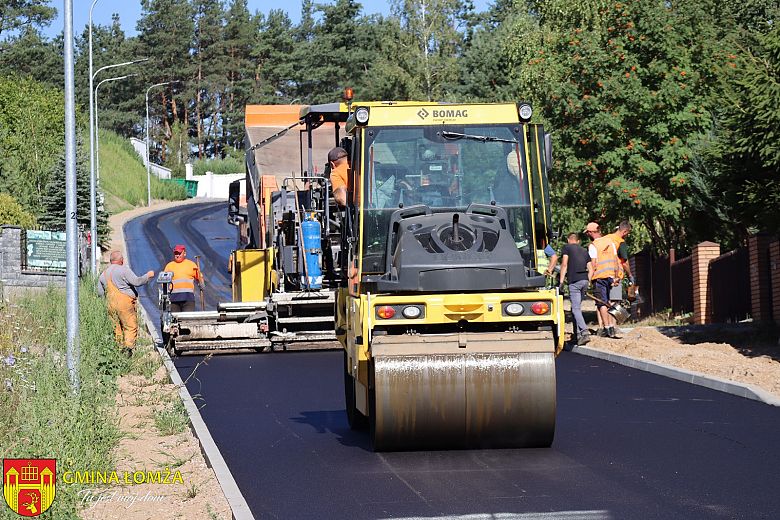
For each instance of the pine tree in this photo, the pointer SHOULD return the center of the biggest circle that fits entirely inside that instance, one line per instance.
(166, 33)
(278, 58)
(239, 35)
(208, 83)
(53, 215)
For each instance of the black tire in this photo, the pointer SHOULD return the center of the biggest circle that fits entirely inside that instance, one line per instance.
(356, 420)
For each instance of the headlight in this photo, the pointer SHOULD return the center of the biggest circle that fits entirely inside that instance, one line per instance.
(525, 111)
(361, 115)
(411, 312)
(514, 309)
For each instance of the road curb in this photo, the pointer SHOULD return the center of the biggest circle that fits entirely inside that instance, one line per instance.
(715, 383)
(238, 506)
(208, 447)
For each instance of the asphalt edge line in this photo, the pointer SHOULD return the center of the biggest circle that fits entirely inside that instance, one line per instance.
(208, 447)
(238, 506)
(697, 378)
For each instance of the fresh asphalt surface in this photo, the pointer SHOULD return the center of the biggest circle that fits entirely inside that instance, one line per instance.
(628, 444)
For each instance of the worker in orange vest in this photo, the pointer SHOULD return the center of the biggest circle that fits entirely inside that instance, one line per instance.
(185, 274)
(337, 158)
(619, 238)
(118, 284)
(603, 273)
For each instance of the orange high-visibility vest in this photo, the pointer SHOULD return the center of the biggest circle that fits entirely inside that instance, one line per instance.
(184, 275)
(606, 265)
(618, 240)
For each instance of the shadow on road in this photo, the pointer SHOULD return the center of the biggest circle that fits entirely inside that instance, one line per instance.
(335, 422)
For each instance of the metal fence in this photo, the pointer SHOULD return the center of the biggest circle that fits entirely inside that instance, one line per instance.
(681, 287)
(729, 286)
(664, 283)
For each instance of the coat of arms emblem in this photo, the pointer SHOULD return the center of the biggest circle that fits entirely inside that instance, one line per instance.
(28, 485)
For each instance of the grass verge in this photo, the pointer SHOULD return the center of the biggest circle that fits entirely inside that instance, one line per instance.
(40, 416)
(123, 176)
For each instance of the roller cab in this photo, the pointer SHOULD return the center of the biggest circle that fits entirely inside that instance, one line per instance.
(449, 334)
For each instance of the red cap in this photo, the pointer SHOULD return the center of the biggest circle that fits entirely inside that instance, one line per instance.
(179, 249)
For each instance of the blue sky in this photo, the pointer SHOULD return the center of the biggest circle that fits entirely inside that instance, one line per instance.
(130, 10)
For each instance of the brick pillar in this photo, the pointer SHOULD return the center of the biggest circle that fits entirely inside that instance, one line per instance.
(760, 290)
(774, 270)
(702, 254)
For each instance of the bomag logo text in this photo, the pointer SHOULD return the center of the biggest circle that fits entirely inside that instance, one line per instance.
(450, 113)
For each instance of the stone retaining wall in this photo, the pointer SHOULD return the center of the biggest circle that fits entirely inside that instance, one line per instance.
(13, 280)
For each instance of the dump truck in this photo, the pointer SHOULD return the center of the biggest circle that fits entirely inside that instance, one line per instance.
(449, 333)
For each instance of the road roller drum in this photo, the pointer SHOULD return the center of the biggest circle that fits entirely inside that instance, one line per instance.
(463, 391)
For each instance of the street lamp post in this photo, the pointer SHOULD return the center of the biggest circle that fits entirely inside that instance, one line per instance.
(73, 351)
(148, 166)
(94, 263)
(92, 188)
(97, 136)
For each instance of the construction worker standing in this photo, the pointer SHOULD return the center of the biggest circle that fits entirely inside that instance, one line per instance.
(185, 274)
(118, 284)
(619, 238)
(603, 272)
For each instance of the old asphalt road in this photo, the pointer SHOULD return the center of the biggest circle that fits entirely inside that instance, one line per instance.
(628, 444)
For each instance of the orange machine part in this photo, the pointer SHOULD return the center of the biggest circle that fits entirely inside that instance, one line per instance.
(271, 115)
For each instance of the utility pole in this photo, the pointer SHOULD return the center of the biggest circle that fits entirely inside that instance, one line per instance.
(71, 225)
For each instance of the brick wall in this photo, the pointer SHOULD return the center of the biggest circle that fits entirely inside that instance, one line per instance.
(774, 273)
(760, 289)
(702, 255)
(12, 279)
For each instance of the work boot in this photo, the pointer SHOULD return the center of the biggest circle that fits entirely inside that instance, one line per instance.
(602, 333)
(127, 352)
(584, 339)
(612, 333)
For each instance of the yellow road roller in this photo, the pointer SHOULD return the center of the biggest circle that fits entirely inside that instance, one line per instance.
(449, 332)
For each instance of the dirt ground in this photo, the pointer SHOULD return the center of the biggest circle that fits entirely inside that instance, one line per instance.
(742, 352)
(196, 495)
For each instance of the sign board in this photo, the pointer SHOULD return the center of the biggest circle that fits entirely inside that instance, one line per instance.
(46, 250)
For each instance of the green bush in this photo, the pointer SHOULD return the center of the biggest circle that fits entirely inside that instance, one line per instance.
(11, 212)
(218, 166)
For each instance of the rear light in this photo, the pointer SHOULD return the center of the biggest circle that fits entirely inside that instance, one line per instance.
(411, 312)
(385, 312)
(514, 309)
(540, 308)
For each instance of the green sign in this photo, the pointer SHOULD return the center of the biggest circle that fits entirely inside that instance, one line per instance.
(46, 250)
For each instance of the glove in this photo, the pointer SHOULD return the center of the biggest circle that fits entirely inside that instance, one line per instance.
(631, 280)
